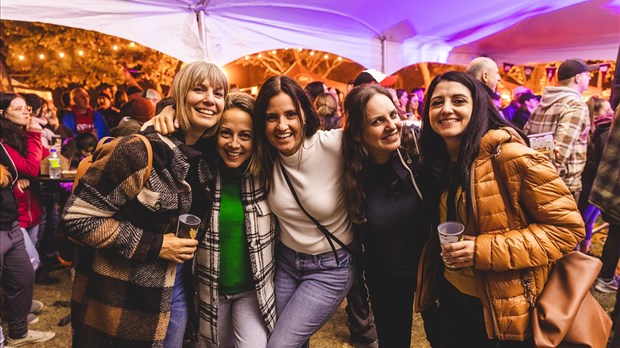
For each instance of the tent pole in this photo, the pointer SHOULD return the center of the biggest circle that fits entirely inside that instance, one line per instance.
(383, 53)
(200, 13)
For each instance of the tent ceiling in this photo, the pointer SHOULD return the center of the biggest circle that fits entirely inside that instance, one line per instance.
(386, 35)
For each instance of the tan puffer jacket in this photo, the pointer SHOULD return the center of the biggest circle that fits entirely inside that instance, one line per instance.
(510, 252)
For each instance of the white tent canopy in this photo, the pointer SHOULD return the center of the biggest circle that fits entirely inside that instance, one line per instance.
(386, 35)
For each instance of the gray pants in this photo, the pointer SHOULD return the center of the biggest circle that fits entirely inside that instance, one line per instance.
(17, 277)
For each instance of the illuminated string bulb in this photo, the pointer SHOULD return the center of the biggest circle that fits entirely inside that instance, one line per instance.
(300, 49)
(61, 54)
(326, 56)
(260, 55)
(132, 44)
(311, 53)
(21, 57)
(247, 57)
(273, 52)
(115, 48)
(339, 59)
(41, 56)
(80, 52)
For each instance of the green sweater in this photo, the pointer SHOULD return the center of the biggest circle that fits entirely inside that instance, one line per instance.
(235, 267)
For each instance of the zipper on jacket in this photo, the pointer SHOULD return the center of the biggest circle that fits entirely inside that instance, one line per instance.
(484, 280)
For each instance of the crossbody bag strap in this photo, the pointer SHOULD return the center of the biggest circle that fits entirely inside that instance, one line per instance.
(330, 236)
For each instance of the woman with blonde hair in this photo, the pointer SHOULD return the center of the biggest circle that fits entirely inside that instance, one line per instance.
(132, 283)
(327, 109)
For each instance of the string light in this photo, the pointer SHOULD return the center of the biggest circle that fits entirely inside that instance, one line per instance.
(61, 54)
(247, 57)
(311, 53)
(326, 56)
(260, 55)
(132, 44)
(273, 52)
(41, 56)
(300, 49)
(115, 48)
(21, 57)
(340, 59)
(80, 53)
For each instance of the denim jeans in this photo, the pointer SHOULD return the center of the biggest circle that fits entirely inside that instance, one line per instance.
(309, 289)
(178, 312)
(240, 323)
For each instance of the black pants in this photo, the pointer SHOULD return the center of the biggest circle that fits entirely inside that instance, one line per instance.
(611, 250)
(462, 322)
(391, 297)
(361, 321)
(17, 277)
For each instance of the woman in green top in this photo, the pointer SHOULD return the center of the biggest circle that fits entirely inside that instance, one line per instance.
(235, 263)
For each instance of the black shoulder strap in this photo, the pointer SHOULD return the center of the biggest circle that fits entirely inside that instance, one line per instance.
(330, 236)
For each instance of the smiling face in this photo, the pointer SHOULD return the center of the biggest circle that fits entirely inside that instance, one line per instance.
(450, 111)
(283, 125)
(18, 112)
(381, 128)
(235, 137)
(205, 105)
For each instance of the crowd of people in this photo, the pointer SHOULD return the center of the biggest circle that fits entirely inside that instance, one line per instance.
(306, 196)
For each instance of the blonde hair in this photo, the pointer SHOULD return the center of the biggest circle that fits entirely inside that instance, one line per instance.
(246, 103)
(189, 77)
(326, 105)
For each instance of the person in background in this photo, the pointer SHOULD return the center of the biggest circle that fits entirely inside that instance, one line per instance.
(21, 136)
(601, 116)
(53, 123)
(327, 108)
(315, 88)
(472, 158)
(511, 109)
(109, 112)
(235, 261)
(563, 112)
(497, 102)
(486, 71)
(133, 93)
(120, 99)
(65, 105)
(153, 96)
(16, 272)
(82, 117)
(403, 98)
(381, 184)
(142, 110)
(133, 271)
(419, 91)
(528, 102)
(412, 107)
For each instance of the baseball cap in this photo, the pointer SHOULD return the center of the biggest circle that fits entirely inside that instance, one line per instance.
(527, 96)
(372, 75)
(572, 67)
(520, 90)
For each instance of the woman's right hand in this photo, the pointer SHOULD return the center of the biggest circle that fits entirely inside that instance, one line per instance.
(34, 126)
(177, 249)
(165, 122)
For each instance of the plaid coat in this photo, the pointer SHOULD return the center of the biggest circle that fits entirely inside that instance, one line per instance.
(562, 112)
(606, 188)
(122, 291)
(260, 228)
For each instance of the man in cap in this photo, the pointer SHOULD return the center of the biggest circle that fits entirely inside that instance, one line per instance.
(563, 112)
(372, 76)
(528, 102)
(510, 110)
(486, 71)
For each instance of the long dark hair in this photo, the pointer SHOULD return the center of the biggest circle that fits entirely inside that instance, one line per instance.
(484, 117)
(13, 134)
(356, 156)
(272, 87)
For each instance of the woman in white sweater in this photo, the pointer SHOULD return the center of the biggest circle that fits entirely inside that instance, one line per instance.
(314, 267)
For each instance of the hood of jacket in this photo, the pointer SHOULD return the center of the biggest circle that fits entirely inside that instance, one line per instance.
(553, 94)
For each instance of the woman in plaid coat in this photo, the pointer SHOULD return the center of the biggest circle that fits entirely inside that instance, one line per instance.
(130, 284)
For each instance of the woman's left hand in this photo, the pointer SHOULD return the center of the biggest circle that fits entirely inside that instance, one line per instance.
(460, 254)
(22, 184)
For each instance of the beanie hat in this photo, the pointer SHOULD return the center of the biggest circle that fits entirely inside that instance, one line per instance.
(142, 109)
(133, 89)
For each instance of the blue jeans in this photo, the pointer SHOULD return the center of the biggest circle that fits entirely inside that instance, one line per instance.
(240, 323)
(178, 312)
(309, 289)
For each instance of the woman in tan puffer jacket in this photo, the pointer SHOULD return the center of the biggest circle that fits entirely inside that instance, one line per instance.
(519, 217)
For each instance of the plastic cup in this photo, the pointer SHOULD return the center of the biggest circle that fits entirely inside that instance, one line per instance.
(187, 226)
(450, 232)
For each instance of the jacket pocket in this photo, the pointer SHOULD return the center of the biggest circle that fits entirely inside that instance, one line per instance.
(158, 201)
